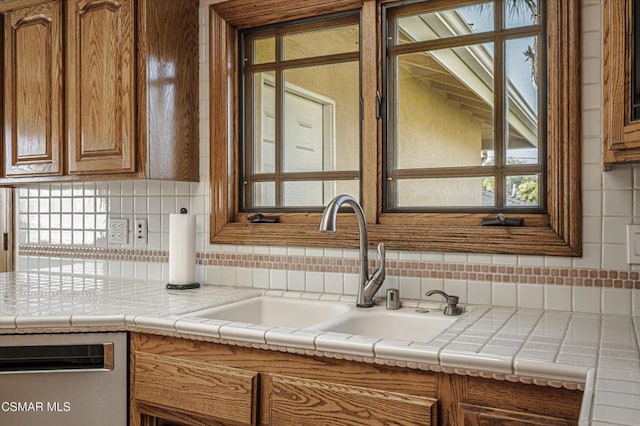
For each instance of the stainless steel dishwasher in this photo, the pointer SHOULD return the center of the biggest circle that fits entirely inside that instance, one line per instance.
(63, 379)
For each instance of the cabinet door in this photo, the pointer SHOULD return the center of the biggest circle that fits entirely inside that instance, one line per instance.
(621, 104)
(33, 90)
(101, 86)
(290, 400)
(473, 415)
(166, 384)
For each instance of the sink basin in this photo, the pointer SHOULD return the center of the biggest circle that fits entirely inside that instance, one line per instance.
(276, 311)
(397, 325)
(403, 324)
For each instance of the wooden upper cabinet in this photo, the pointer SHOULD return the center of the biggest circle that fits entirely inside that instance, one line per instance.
(101, 86)
(168, 99)
(33, 131)
(99, 89)
(621, 130)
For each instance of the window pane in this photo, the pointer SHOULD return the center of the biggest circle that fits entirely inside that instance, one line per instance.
(264, 123)
(522, 191)
(322, 118)
(443, 192)
(317, 193)
(264, 194)
(488, 191)
(445, 23)
(322, 42)
(444, 108)
(519, 13)
(522, 100)
(302, 118)
(264, 50)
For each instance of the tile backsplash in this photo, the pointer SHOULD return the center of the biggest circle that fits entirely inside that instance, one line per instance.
(63, 228)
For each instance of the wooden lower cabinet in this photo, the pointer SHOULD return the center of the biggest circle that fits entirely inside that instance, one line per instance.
(177, 382)
(198, 383)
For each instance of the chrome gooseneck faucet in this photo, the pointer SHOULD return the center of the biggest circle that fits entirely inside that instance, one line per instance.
(368, 285)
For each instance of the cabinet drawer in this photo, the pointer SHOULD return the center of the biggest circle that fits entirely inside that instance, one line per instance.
(473, 415)
(291, 400)
(196, 387)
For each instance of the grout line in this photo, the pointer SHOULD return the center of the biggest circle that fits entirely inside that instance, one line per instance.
(523, 342)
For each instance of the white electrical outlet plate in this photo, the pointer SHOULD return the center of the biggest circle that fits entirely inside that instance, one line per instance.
(118, 231)
(633, 244)
(140, 231)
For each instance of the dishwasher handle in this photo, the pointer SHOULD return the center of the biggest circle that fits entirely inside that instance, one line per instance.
(54, 358)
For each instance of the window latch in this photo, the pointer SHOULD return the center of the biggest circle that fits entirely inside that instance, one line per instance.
(378, 104)
(502, 220)
(260, 218)
(5, 241)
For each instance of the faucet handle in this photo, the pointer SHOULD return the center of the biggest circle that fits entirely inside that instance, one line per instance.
(379, 274)
(381, 252)
(373, 283)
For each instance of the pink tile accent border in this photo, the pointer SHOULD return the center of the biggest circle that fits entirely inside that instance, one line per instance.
(437, 270)
(99, 253)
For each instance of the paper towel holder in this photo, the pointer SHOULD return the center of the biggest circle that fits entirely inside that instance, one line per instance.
(186, 286)
(183, 286)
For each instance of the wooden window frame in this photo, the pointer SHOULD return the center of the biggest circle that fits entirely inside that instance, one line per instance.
(621, 133)
(558, 232)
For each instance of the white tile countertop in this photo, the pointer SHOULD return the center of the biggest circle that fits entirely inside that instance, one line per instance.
(596, 353)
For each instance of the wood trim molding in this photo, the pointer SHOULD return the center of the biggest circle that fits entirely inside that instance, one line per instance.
(556, 233)
(371, 173)
(8, 5)
(564, 128)
(251, 13)
(222, 89)
(621, 135)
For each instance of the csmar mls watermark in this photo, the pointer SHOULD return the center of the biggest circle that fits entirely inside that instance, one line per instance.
(35, 406)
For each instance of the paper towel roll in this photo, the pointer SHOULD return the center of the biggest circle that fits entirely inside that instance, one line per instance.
(182, 249)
